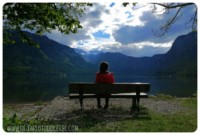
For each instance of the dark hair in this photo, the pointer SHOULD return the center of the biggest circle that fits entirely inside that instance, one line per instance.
(103, 66)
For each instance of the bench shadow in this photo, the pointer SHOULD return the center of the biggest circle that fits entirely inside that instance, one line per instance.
(89, 118)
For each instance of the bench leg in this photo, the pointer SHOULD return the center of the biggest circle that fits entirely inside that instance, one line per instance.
(133, 103)
(81, 102)
(138, 103)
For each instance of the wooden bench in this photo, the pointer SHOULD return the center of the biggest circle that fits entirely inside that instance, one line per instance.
(116, 90)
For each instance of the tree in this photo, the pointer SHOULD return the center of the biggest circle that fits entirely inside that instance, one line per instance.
(192, 23)
(41, 18)
(167, 7)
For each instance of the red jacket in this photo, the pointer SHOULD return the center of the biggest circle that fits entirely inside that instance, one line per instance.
(104, 78)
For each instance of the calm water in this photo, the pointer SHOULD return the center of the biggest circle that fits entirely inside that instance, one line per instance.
(27, 88)
(175, 86)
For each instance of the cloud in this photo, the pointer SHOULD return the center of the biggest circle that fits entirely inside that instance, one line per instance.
(68, 39)
(146, 49)
(97, 44)
(110, 27)
(92, 17)
(90, 20)
(141, 49)
(129, 34)
(135, 49)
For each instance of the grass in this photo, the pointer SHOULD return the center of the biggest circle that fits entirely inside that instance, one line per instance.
(153, 122)
(162, 97)
(118, 119)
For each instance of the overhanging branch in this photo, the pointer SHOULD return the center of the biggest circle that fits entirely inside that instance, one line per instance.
(171, 6)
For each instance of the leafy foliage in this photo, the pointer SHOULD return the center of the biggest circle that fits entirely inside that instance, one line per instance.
(16, 124)
(42, 17)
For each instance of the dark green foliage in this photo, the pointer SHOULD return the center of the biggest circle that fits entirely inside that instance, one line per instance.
(126, 3)
(42, 17)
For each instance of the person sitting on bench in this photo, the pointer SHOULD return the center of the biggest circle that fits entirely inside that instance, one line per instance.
(103, 76)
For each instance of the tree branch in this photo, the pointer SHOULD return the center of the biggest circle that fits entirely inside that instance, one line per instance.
(167, 7)
(169, 23)
(171, 6)
(194, 20)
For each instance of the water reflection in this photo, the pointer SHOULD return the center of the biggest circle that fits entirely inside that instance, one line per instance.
(175, 86)
(43, 87)
(31, 88)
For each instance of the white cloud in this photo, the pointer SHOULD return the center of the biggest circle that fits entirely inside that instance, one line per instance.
(134, 49)
(130, 29)
(141, 49)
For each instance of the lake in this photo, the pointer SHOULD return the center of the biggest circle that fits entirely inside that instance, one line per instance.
(42, 88)
(174, 86)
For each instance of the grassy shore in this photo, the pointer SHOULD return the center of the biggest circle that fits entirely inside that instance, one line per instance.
(157, 114)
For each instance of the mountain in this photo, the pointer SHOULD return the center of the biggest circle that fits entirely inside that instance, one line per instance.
(39, 74)
(50, 58)
(122, 64)
(88, 56)
(181, 59)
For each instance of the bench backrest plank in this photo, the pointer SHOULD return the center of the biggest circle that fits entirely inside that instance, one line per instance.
(93, 88)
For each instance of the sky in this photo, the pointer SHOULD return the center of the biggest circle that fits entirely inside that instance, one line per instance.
(110, 27)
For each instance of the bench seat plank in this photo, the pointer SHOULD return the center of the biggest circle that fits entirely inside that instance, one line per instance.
(93, 88)
(119, 95)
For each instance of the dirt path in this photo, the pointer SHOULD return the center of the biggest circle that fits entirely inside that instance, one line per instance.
(64, 108)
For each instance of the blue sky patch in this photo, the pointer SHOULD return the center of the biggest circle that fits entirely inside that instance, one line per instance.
(112, 4)
(82, 42)
(129, 14)
(101, 34)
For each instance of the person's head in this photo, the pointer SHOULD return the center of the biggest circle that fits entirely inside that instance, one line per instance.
(103, 67)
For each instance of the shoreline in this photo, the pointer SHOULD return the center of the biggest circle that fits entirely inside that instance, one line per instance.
(61, 105)
(47, 101)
